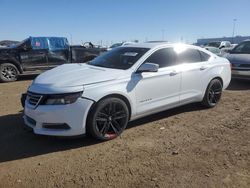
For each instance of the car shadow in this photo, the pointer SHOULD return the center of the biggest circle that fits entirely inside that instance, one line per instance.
(18, 143)
(27, 77)
(166, 114)
(237, 85)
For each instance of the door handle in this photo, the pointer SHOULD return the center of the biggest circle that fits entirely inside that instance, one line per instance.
(173, 73)
(203, 68)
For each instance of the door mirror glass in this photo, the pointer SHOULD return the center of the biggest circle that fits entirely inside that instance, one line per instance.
(148, 67)
(26, 47)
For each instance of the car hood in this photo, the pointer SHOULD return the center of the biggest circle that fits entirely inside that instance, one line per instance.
(238, 58)
(4, 50)
(72, 76)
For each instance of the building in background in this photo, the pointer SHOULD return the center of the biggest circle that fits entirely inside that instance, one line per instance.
(233, 40)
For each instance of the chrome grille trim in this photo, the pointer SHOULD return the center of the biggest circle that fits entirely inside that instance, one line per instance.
(34, 99)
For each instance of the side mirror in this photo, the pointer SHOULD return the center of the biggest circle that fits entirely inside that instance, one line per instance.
(148, 67)
(26, 47)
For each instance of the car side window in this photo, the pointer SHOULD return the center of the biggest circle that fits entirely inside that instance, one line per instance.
(39, 43)
(246, 48)
(205, 56)
(189, 56)
(164, 57)
(242, 48)
(58, 43)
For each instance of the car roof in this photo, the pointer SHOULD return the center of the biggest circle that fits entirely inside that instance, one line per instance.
(155, 45)
(146, 45)
(152, 45)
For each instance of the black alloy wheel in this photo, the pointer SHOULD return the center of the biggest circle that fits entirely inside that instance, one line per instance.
(213, 93)
(108, 119)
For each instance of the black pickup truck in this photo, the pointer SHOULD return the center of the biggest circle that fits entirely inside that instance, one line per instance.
(37, 54)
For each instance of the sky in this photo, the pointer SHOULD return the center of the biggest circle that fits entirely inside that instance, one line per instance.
(110, 21)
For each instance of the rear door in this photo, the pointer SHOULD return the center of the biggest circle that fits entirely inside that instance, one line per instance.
(194, 68)
(58, 53)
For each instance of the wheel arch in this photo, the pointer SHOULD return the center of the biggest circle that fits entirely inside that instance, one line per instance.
(14, 62)
(219, 78)
(214, 77)
(116, 95)
(122, 97)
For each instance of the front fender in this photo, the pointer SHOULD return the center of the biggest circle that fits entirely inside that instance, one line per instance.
(98, 91)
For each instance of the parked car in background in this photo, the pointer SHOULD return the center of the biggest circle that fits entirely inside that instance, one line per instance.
(228, 49)
(36, 54)
(120, 44)
(124, 84)
(239, 58)
(219, 44)
(214, 50)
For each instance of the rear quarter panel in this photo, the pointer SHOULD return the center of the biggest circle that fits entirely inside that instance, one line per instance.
(219, 67)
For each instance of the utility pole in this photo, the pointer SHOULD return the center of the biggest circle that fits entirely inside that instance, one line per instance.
(71, 40)
(234, 23)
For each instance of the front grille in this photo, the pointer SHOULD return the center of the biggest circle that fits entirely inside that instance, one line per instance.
(241, 66)
(34, 99)
(245, 65)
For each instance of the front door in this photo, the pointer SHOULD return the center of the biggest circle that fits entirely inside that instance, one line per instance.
(34, 59)
(160, 90)
(33, 54)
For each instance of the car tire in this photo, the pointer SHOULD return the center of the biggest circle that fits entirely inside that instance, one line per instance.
(8, 72)
(213, 93)
(108, 119)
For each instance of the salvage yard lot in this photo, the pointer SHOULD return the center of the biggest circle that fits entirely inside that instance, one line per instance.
(185, 147)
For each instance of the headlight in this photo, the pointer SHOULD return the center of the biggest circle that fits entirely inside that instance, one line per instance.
(62, 98)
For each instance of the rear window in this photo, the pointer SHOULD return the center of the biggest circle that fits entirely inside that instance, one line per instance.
(204, 56)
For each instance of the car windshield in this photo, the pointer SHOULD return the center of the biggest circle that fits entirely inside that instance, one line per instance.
(19, 44)
(119, 58)
(214, 44)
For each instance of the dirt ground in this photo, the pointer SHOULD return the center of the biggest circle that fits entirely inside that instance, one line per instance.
(185, 147)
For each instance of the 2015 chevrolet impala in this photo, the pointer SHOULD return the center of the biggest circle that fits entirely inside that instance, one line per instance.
(124, 84)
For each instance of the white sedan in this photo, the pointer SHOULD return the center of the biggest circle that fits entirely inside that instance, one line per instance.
(102, 96)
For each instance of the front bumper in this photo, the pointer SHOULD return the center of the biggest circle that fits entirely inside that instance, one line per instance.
(73, 115)
(241, 74)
